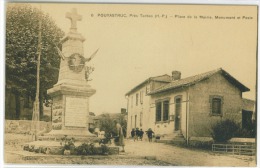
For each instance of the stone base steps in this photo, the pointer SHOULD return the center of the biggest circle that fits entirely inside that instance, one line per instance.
(45, 147)
(77, 138)
(55, 148)
(175, 138)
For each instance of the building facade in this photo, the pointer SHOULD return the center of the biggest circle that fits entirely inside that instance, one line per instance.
(188, 107)
(139, 102)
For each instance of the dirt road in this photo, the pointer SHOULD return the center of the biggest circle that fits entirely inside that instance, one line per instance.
(186, 157)
(165, 155)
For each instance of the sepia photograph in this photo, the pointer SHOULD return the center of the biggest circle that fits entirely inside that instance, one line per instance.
(128, 84)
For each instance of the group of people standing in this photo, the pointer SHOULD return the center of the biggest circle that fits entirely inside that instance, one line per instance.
(137, 134)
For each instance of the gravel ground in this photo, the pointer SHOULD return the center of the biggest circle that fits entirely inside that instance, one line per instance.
(166, 155)
(187, 157)
(14, 159)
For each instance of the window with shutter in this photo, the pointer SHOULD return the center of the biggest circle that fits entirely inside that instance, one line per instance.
(216, 103)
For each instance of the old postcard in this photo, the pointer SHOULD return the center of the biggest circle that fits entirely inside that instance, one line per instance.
(130, 84)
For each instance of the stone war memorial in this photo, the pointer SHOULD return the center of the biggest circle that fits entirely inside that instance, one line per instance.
(71, 94)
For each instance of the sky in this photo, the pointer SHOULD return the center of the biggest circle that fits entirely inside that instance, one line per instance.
(154, 40)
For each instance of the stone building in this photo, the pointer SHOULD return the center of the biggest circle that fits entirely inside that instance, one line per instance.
(188, 107)
(139, 111)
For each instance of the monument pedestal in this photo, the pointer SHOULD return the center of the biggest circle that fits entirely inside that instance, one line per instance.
(70, 111)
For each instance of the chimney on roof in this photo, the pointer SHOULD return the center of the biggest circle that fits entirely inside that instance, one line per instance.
(176, 75)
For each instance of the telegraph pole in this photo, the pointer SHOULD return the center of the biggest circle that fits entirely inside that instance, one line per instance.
(36, 106)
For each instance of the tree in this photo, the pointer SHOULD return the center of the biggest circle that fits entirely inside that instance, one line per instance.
(107, 123)
(22, 27)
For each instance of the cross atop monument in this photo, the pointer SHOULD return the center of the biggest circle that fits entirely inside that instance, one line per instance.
(74, 17)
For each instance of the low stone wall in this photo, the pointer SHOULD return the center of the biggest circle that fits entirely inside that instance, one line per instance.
(24, 126)
(243, 141)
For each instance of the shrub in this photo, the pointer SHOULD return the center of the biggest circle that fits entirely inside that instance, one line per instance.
(206, 145)
(224, 130)
(84, 149)
(244, 133)
(90, 149)
(68, 144)
(104, 149)
(91, 130)
(254, 129)
(46, 118)
(247, 132)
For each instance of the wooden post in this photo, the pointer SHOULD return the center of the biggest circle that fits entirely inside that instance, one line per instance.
(36, 112)
(239, 150)
(233, 149)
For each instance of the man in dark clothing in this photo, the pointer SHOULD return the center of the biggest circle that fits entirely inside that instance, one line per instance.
(133, 134)
(141, 133)
(136, 133)
(150, 133)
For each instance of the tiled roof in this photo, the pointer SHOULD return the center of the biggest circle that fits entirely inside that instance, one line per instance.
(197, 78)
(163, 78)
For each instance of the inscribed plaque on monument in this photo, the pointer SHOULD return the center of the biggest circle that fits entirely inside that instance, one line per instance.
(75, 112)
